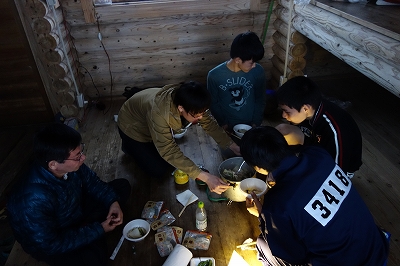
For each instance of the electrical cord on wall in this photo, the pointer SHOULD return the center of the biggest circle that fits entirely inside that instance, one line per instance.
(109, 64)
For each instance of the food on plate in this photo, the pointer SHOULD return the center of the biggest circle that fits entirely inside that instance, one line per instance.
(242, 130)
(136, 232)
(256, 191)
(205, 263)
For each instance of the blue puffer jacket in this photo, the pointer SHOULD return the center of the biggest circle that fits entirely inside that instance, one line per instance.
(46, 213)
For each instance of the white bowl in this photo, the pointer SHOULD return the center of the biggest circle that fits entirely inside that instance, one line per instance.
(240, 129)
(136, 223)
(249, 184)
(180, 134)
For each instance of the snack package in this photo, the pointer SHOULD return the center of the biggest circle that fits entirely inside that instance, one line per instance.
(197, 240)
(152, 210)
(165, 218)
(166, 238)
(164, 246)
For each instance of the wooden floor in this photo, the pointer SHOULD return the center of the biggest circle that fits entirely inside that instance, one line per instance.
(376, 112)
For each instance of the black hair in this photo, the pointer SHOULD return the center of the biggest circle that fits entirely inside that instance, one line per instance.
(299, 91)
(193, 97)
(55, 142)
(264, 147)
(247, 46)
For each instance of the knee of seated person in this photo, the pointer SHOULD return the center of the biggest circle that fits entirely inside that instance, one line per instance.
(159, 171)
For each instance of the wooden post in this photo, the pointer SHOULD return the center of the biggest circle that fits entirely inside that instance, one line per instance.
(88, 11)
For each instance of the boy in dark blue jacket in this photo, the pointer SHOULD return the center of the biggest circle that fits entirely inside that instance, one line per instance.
(313, 214)
(62, 210)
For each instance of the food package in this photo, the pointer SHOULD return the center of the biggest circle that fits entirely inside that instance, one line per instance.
(197, 240)
(167, 238)
(165, 218)
(151, 210)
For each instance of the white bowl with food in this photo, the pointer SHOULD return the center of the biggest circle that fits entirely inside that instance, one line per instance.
(179, 134)
(249, 185)
(136, 230)
(240, 129)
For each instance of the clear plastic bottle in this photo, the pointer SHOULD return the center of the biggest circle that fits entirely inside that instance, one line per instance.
(201, 217)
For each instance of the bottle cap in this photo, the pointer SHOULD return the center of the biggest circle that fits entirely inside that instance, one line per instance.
(200, 204)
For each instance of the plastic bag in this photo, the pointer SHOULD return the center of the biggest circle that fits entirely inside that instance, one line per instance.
(166, 218)
(152, 210)
(197, 240)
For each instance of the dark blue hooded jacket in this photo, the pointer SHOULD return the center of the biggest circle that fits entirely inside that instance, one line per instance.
(315, 215)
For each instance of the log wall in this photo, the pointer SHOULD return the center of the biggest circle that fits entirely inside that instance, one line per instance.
(289, 49)
(49, 41)
(155, 43)
(366, 48)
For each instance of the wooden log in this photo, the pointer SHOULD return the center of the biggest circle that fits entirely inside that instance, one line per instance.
(62, 84)
(282, 13)
(295, 36)
(155, 9)
(88, 11)
(158, 41)
(280, 65)
(48, 41)
(162, 26)
(54, 56)
(58, 71)
(48, 23)
(296, 50)
(65, 97)
(52, 40)
(379, 70)
(57, 56)
(35, 8)
(276, 74)
(357, 35)
(69, 110)
(294, 63)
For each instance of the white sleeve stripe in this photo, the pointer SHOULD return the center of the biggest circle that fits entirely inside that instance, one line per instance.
(336, 138)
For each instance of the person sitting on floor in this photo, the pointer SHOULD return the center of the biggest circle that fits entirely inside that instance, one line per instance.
(238, 86)
(61, 210)
(319, 122)
(147, 122)
(313, 215)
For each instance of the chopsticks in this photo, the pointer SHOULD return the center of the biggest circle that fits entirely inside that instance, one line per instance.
(231, 134)
(117, 248)
(187, 203)
(247, 244)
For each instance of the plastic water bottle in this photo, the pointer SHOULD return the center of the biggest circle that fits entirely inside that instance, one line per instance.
(201, 217)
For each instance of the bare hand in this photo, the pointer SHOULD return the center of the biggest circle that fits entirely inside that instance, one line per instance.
(253, 205)
(235, 148)
(215, 184)
(114, 217)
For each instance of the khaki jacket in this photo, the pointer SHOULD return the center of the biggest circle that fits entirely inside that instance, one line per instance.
(151, 116)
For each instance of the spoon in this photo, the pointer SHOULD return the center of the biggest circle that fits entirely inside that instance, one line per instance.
(240, 167)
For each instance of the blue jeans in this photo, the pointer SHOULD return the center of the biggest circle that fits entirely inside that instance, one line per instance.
(146, 156)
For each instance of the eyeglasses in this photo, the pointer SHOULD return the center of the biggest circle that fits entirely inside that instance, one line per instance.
(77, 159)
(198, 115)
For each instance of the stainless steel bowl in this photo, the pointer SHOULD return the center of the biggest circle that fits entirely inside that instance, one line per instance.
(230, 173)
